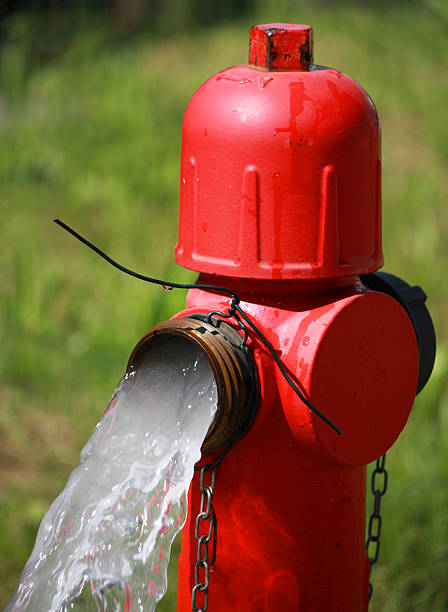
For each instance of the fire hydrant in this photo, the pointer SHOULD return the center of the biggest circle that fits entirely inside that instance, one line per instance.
(280, 202)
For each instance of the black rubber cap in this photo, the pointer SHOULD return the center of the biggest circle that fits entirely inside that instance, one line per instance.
(413, 301)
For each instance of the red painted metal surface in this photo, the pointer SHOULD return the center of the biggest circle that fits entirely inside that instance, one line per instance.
(281, 46)
(280, 175)
(290, 496)
(280, 200)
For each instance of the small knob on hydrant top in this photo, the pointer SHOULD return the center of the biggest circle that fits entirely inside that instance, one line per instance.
(281, 46)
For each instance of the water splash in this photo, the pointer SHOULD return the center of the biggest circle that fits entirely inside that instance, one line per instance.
(105, 541)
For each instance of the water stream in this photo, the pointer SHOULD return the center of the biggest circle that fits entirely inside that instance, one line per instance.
(105, 541)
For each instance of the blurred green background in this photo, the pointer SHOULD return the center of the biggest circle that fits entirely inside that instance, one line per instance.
(91, 103)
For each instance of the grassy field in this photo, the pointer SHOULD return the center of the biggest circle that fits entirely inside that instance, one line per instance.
(93, 137)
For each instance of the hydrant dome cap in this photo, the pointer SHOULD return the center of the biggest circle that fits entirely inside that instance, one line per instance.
(280, 176)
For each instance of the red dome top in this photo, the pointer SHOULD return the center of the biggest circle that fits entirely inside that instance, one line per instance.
(280, 168)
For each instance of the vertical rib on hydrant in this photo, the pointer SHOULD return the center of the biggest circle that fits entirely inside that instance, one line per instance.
(280, 201)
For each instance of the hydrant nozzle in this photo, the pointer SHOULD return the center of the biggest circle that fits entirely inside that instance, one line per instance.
(232, 365)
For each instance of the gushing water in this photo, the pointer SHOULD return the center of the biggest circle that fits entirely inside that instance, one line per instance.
(105, 542)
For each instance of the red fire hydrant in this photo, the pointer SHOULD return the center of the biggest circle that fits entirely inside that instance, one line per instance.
(281, 202)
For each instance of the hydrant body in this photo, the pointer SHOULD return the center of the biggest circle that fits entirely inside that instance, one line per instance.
(290, 496)
(280, 202)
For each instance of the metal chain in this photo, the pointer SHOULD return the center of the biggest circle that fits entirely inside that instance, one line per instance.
(206, 523)
(378, 485)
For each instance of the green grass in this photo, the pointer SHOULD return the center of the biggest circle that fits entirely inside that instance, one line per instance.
(93, 136)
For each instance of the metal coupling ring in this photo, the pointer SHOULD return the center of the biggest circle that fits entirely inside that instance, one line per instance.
(232, 364)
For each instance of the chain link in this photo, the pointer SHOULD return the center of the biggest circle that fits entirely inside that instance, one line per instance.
(378, 485)
(206, 524)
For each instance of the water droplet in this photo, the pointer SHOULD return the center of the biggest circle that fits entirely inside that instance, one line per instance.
(167, 288)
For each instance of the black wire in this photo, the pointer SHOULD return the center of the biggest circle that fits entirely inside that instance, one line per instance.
(211, 466)
(282, 369)
(149, 279)
(234, 308)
